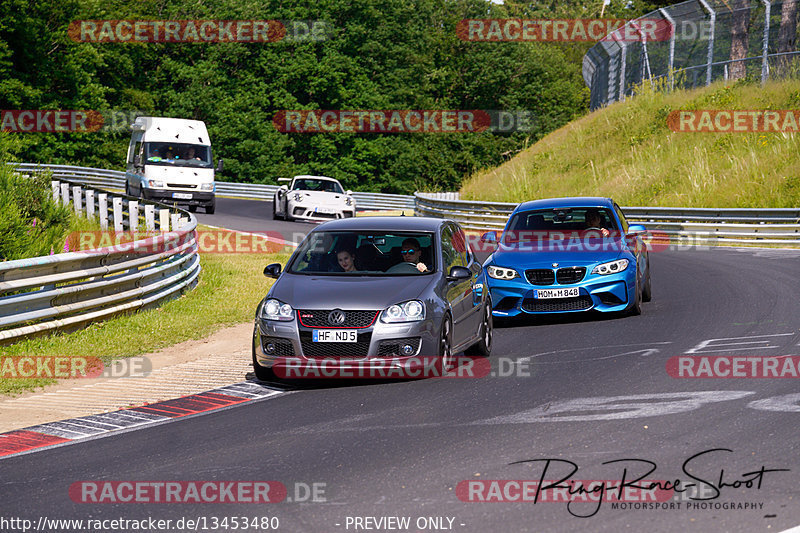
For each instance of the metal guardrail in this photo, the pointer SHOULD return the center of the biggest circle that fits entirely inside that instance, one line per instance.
(677, 224)
(115, 179)
(69, 290)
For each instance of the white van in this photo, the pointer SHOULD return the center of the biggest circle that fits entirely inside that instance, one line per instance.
(169, 160)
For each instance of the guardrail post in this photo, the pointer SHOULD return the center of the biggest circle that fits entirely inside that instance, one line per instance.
(163, 219)
(133, 215)
(117, 203)
(77, 196)
(710, 39)
(65, 193)
(56, 186)
(764, 61)
(102, 210)
(149, 217)
(90, 204)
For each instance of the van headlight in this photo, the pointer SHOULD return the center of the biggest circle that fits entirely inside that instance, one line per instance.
(497, 272)
(277, 310)
(155, 183)
(206, 186)
(411, 311)
(611, 267)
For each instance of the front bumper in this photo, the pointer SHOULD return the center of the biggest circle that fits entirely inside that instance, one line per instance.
(200, 198)
(291, 341)
(611, 293)
(305, 211)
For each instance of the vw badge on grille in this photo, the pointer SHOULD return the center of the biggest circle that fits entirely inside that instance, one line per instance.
(336, 317)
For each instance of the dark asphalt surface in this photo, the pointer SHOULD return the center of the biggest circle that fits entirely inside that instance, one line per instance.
(587, 389)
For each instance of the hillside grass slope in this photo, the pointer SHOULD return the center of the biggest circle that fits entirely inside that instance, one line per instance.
(627, 152)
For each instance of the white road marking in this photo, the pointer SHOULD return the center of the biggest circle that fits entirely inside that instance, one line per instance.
(701, 347)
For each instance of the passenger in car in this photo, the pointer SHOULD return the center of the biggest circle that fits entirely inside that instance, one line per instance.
(346, 258)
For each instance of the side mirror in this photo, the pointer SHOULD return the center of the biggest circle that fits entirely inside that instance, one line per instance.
(636, 229)
(459, 273)
(137, 160)
(220, 165)
(348, 192)
(489, 241)
(283, 188)
(273, 270)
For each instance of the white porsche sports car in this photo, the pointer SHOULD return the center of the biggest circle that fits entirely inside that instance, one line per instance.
(313, 198)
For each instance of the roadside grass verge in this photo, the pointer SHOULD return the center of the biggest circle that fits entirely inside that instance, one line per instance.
(627, 152)
(229, 288)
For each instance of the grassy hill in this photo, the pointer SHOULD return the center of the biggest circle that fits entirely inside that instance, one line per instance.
(627, 152)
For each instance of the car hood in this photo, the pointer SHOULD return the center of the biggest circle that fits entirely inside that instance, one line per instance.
(349, 292)
(570, 256)
(179, 175)
(320, 197)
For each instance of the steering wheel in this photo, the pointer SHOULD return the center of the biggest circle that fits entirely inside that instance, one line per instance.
(404, 267)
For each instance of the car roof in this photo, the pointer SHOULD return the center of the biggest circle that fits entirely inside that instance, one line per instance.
(574, 201)
(384, 224)
(322, 178)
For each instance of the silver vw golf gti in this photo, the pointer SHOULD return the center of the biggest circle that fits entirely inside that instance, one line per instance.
(374, 291)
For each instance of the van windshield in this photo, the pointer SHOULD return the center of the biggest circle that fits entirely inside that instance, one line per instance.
(177, 154)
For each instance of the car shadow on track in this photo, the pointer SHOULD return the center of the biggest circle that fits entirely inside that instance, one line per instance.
(565, 318)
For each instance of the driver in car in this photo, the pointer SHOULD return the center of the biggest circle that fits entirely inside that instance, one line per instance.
(595, 222)
(411, 252)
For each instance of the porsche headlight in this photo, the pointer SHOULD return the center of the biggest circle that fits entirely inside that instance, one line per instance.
(277, 310)
(611, 267)
(348, 201)
(411, 311)
(298, 197)
(497, 272)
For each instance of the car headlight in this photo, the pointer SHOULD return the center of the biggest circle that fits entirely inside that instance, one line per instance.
(411, 311)
(298, 197)
(155, 183)
(611, 267)
(497, 272)
(206, 186)
(348, 201)
(277, 310)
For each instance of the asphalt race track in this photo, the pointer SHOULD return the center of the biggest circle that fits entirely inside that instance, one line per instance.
(583, 389)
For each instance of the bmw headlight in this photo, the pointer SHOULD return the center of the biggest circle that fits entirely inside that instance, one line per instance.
(277, 310)
(411, 311)
(155, 183)
(611, 267)
(206, 186)
(497, 272)
(298, 197)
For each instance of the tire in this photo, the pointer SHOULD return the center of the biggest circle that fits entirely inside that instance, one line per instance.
(445, 363)
(274, 209)
(636, 308)
(286, 216)
(647, 291)
(483, 347)
(193, 209)
(128, 189)
(210, 208)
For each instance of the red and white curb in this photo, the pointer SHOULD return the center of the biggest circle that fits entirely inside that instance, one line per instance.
(36, 438)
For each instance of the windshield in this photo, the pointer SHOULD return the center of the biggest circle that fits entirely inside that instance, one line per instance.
(310, 184)
(365, 254)
(178, 154)
(558, 224)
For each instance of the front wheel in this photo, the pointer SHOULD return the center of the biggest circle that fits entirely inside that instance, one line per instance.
(647, 292)
(484, 346)
(636, 308)
(262, 373)
(210, 208)
(446, 346)
(193, 209)
(274, 209)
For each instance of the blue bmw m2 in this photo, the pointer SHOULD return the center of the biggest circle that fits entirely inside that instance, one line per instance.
(566, 255)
